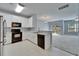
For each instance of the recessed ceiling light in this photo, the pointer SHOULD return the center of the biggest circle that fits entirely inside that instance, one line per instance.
(19, 8)
(45, 17)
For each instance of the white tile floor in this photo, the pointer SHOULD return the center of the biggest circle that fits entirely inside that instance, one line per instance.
(26, 48)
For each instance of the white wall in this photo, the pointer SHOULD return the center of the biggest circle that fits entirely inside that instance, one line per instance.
(42, 25)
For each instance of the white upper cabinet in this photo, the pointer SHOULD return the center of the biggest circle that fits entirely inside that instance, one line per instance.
(26, 22)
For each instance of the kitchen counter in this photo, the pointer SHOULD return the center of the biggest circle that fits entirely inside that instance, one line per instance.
(42, 31)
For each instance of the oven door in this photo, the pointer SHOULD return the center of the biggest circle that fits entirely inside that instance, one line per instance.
(16, 37)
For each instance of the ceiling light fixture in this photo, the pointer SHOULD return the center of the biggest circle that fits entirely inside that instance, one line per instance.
(45, 17)
(19, 8)
(64, 6)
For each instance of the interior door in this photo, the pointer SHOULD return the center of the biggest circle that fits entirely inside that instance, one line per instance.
(41, 41)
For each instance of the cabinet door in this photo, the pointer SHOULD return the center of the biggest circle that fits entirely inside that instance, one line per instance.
(41, 41)
(27, 22)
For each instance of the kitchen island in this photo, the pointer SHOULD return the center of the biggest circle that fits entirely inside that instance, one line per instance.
(44, 39)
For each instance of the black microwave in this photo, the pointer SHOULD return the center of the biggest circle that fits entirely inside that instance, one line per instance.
(16, 24)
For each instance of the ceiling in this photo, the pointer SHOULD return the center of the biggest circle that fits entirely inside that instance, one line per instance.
(43, 9)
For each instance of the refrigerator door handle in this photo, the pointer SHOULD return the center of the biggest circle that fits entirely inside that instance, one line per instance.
(1, 42)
